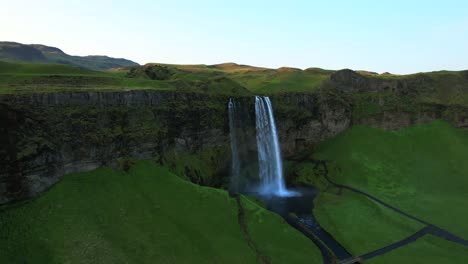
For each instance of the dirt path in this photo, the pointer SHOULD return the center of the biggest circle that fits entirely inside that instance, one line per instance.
(428, 229)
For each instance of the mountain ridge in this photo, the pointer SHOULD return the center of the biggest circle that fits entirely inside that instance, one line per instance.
(39, 53)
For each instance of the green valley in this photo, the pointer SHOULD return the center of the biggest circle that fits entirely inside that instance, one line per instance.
(145, 215)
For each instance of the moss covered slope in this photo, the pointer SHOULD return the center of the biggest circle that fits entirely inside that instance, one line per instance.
(147, 215)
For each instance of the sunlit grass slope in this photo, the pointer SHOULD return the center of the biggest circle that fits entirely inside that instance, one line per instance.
(282, 80)
(422, 170)
(256, 79)
(147, 215)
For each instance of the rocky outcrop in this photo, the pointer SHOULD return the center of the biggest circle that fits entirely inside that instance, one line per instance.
(394, 119)
(352, 81)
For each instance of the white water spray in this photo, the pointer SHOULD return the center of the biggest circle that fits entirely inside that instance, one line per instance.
(269, 155)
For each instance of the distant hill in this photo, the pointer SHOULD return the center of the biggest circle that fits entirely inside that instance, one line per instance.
(12, 51)
(255, 79)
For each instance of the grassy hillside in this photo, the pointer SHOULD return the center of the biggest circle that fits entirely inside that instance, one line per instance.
(435, 88)
(443, 87)
(17, 52)
(255, 79)
(13, 68)
(421, 170)
(281, 80)
(147, 215)
(33, 77)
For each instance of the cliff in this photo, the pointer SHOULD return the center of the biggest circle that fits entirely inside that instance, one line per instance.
(47, 135)
(395, 102)
(51, 134)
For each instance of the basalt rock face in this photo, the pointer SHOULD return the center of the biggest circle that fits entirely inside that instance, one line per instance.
(304, 120)
(394, 120)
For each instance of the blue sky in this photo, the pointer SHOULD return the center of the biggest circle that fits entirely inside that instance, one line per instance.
(395, 36)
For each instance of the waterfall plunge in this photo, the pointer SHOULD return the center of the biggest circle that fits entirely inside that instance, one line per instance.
(270, 167)
(269, 153)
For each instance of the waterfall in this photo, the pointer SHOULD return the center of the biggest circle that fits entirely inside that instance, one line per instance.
(264, 139)
(233, 127)
(269, 154)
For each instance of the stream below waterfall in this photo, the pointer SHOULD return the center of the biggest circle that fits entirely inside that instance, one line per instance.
(302, 207)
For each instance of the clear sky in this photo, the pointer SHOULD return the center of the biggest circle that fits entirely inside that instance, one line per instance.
(399, 36)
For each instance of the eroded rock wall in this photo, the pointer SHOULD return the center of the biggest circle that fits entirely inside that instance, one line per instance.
(45, 136)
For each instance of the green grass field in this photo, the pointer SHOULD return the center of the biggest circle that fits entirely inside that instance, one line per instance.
(421, 170)
(147, 215)
(39, 78)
